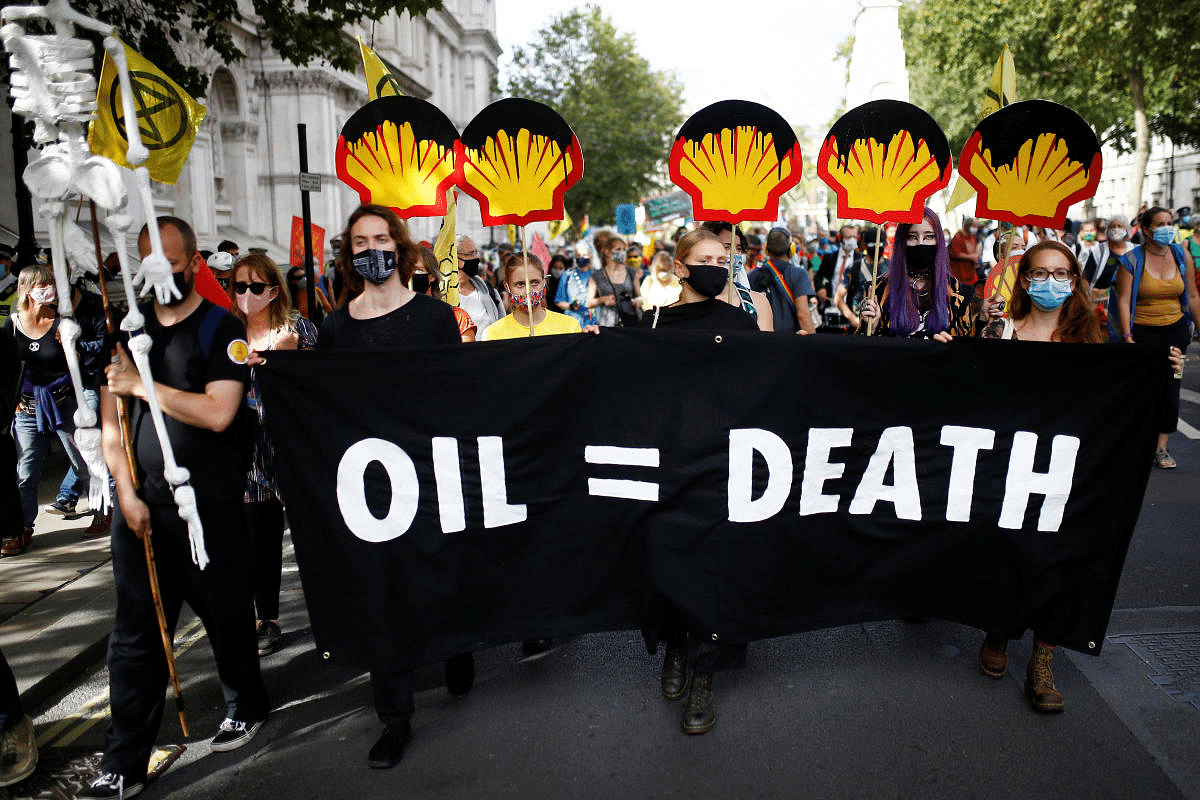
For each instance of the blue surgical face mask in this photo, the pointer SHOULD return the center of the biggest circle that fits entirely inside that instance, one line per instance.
(1050, 293)
(1164, 235)
(374, 265)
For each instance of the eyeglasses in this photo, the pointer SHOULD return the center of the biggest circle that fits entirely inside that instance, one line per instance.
(257, 287)
(1041, 274)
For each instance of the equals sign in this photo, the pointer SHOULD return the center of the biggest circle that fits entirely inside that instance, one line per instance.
(623, 457)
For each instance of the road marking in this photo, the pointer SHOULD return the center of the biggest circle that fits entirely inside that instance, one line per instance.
(1188, 430)
(1189, 396)
(95, 710)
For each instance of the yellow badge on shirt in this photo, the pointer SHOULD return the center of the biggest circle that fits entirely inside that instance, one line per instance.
(238, 351)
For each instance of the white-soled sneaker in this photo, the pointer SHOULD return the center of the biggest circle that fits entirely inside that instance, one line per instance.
(110, 786)
(233, 734)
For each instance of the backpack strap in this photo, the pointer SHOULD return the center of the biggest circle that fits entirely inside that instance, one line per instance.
(1180, 260)
(208, 328)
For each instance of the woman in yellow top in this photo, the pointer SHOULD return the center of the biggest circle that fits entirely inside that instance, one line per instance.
(1153, 285)
(525, 280)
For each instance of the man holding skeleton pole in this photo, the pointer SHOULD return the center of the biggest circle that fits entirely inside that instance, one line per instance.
(198, 361)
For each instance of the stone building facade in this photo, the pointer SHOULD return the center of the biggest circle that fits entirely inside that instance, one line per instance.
(241, 181)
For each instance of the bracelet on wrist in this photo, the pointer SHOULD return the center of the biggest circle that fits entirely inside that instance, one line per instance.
(1127, 336)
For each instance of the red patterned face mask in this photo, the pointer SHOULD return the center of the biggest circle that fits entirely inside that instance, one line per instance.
(524, 301)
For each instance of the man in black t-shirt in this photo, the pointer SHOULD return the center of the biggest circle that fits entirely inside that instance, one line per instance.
(198, 361)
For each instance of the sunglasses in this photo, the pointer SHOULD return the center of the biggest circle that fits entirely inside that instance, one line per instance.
(257, 287)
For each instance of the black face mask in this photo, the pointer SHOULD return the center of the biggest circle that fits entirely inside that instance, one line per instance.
(470, 266)
(706, 279)
(920, 257)
(420, 282)
(184, 286)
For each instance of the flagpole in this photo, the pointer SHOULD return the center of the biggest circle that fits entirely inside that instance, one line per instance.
(525, 262)
(880, 232)
(1003, 281)
(734, 230)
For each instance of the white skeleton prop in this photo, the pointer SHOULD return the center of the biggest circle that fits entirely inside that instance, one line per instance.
(52, 84)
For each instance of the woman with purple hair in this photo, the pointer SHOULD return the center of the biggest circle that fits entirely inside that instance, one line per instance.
(918, 297)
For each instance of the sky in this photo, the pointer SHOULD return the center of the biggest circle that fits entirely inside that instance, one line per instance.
(723, 59)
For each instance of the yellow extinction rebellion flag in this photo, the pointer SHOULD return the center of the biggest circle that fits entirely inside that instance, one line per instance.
(558, 227)
(446, 249)
(1000, 92)
(167, 117)
(380, 81)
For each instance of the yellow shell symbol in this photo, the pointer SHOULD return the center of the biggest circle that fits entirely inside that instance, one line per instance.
(238, 351)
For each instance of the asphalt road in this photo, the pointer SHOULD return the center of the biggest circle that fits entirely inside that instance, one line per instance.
(881, 710)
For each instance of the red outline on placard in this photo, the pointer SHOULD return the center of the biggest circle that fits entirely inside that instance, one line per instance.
(769, 211)
(437, 209)
(552, 214)
(971, 152)
(912, 215)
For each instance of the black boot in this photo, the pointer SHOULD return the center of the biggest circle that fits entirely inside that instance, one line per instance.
(460, 674)
(675, 673)
(699, 716)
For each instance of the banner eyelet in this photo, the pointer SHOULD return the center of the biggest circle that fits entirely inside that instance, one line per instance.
(718, 339)
(326, 655)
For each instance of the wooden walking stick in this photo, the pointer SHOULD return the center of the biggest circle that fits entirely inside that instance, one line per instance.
(127, 444)
(880, 232)
(525, 263)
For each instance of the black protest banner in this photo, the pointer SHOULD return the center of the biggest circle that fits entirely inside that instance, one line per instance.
(442, 499)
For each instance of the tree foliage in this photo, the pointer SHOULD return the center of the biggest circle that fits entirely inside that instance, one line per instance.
(624, 113)
(1084, 54)
(299, 32)
(1110, 60)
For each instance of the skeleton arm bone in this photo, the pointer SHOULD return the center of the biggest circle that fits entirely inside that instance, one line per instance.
(137, 153)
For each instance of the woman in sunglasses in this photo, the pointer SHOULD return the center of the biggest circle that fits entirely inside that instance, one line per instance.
(1050, 303)
(262, 301)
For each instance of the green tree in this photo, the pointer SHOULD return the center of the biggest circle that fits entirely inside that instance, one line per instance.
(300, 32)
(624, 113)
(1112, 61)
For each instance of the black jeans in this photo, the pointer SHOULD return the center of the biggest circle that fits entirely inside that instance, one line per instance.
(264, 523)
(220, 595)
(10, 699)
(12, 518)
(393, 694)
(1177, 335)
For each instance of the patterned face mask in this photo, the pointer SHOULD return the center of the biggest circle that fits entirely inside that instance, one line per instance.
(524, 301)
(375, 266)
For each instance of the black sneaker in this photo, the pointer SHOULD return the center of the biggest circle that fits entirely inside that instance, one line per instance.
(268, 636)
(389, 748)
(61, 508)
(233, 734)
(110, 786)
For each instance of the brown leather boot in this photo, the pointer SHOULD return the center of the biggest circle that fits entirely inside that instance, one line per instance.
(993, 656)
(675, 673)
(699, 716)
(1039, 679)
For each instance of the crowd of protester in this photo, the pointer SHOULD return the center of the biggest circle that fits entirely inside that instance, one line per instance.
(1107, 279)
